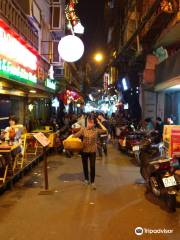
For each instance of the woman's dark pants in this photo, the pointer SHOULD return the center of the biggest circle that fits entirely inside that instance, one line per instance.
(86, 158)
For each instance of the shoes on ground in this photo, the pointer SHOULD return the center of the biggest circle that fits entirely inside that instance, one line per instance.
(93, 186)
(86, 182)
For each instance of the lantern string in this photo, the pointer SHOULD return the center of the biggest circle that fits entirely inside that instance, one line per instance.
(71, 15)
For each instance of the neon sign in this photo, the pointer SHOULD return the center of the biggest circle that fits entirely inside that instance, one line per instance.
(13, 50)
(50, 84)
(10, 70)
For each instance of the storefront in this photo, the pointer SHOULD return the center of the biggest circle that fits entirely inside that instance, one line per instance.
(11, 105)
(25, 89)
(168, 85)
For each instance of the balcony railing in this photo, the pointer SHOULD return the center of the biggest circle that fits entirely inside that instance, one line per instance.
(13, 15)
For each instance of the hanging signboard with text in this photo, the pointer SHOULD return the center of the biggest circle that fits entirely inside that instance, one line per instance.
(42, 139)
(50, 84)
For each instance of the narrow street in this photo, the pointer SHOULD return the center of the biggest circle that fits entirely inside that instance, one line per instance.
(75, 211)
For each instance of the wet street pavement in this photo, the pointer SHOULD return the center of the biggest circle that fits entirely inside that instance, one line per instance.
(75, 211)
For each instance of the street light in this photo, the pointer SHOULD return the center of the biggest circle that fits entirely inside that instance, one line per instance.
(98, 57)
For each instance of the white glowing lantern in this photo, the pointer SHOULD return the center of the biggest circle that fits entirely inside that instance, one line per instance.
(78, 28)
(71, 48)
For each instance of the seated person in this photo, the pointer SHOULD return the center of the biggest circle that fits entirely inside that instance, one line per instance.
(14, 131)
(11, 134)
(149, 125)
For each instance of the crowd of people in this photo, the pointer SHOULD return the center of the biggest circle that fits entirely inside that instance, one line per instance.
(94, 129)
(158, 125)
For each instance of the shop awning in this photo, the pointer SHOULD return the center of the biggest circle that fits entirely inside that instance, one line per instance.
(22, 90)
(171, 85)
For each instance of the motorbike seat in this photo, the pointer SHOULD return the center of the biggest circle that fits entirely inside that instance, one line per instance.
(159, 161)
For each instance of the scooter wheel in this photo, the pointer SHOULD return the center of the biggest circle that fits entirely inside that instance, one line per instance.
(171, 202)
(138, 158)
(154, 189)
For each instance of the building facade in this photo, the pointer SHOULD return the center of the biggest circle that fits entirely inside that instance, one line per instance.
(144, 37)
(27, 74)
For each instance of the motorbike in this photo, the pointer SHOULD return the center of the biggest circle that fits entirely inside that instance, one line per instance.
(147, 143)
(137, 142)
(132, 141)
(147, 148)
(162, 179)
(102, 144)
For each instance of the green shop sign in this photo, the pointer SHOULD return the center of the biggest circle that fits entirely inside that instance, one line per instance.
(50, 84)
(11, 71)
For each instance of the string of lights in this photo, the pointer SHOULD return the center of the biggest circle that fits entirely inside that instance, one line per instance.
(70, 13)
(74, 23)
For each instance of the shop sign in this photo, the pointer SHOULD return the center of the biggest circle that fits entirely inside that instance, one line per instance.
(171, 138)
(51, 72)
(10, 70)
(175, 142)
(50, 84)
(106, 80)
(40, 73)
(15, 51)
(42, 139)
(17, 62)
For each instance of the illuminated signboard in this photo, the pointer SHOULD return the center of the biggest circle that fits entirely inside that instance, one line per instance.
(7, 69)
(12, 49)
(50, 84)
(16, 61)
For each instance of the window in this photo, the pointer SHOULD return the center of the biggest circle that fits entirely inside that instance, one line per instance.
(36, 12)
(56, 17)
(55, 52)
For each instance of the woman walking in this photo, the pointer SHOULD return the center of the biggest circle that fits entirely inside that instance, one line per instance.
(90, 136)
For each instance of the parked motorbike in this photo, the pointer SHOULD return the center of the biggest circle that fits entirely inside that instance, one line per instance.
(162, 179)
(132, 141)
(148, 143)
(102, 144)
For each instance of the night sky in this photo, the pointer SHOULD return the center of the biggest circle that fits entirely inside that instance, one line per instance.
(91, 14)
